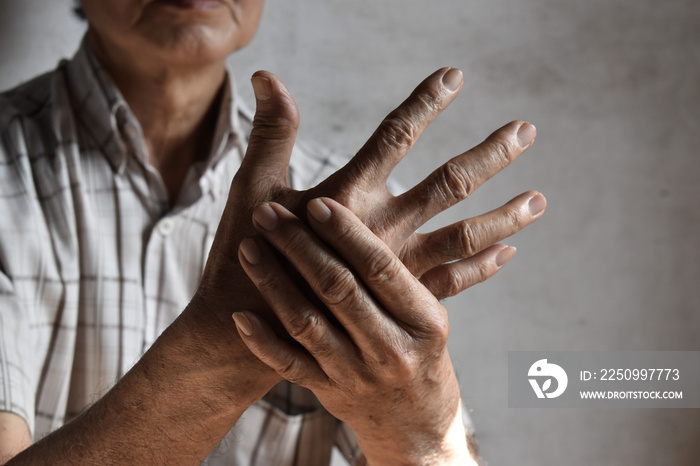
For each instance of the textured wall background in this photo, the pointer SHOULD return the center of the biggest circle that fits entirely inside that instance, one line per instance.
(613, 87)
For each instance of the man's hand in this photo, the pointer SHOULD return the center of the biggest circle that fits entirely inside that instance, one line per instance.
(384, 369)
(446, 261)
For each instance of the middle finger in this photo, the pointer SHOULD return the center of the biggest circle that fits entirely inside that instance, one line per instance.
(458, 178)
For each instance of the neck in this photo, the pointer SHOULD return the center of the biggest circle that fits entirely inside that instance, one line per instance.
(176, 107)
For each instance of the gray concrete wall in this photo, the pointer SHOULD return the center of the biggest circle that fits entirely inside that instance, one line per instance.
(613, 87)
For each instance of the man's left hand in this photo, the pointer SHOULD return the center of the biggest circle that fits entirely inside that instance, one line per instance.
(383, 368)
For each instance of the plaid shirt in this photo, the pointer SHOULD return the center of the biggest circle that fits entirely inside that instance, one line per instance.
(95, 263)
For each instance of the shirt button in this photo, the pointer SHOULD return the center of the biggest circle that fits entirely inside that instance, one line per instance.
(166, 226)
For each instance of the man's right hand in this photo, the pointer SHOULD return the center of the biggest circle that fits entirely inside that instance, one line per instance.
(446, 261)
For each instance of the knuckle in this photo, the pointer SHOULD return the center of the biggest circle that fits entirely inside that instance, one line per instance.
(483, 272)
(397, 130)
(454, 284)
(347, 233)
(430, 99)
(306, 328)
(405, 363)
(267, 282)
(382, 267)
(273, 127)
(291, 370)
(397, 363)
(502, 150)
(337, 286)
(469, 239)
(438, 330)
(516, 218)
(456, 182)
(303, 325)
(443, 328)
(433, 330)
(294, 239)
(402, 370)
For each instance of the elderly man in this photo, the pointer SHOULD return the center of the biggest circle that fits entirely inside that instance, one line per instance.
(124, 253)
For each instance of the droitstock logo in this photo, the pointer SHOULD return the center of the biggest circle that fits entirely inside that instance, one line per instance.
(540, 376)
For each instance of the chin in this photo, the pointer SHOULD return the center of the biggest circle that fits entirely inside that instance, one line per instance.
(194, 44)
(199, 30)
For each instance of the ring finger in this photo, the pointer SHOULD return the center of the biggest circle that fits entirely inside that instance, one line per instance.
(468, 237)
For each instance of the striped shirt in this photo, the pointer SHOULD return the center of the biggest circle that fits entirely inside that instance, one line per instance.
(95, 262)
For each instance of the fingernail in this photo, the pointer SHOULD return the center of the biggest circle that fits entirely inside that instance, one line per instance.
(526, 134)
(266, 217)
(452, 79)
(537, 204)
(504, 256)
(250, 251)
(243, 323)
(319, 210)
(262, 87)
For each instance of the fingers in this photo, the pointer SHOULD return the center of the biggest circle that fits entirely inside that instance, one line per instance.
(326, 274)
(459, 177)
(451, 279)
(390, 282)
(274, 132)
(290, 362)
(402, 127)
(468, 237)
(302, 320)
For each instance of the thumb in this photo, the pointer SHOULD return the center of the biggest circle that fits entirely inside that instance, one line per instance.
(274, 131)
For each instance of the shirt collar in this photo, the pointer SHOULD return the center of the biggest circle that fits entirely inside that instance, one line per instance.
(104, 114)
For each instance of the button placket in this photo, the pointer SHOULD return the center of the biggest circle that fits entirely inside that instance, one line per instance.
(166, 226)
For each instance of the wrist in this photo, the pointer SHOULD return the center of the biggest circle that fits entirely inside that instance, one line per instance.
(213, 357)
(449, 449)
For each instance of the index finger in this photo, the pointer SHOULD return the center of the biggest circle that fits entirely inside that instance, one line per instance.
(400, 130)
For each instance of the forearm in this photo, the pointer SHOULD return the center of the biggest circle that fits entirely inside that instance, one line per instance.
(172, 407)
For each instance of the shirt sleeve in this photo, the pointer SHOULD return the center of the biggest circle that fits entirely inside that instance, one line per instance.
(19, 252)
(16, 386)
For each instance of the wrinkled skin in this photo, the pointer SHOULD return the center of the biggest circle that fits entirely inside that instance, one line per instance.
(385, 371)
(446, 261)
